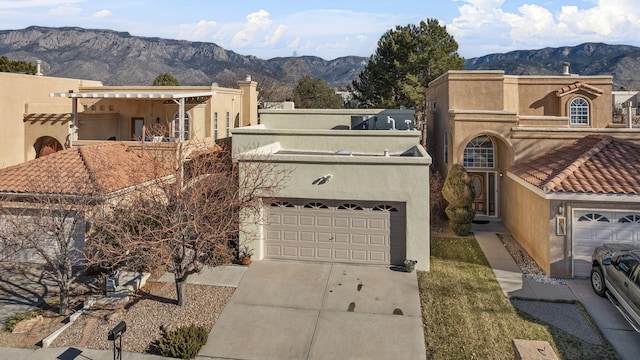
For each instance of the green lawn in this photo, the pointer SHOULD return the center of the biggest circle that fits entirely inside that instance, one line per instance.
(466, 315)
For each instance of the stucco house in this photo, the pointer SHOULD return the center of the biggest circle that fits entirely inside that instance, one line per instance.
(494, 124)
(354, 194)
(43, 114)
(42, 196)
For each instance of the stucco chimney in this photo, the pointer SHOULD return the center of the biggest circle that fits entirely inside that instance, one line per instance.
(565, 68)
(38, 64)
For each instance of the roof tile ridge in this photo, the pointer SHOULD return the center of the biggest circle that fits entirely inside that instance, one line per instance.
(578, 162)
(83, 152)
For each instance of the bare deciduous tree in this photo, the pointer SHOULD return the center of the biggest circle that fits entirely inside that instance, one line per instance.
(44, 205)
(182, 225)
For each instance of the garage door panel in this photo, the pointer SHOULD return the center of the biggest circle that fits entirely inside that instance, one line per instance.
(290, 220)
(378, 256)
(325, 237)
(341, 222)
(342, 238)
(378, 224)
(355, 234)
(307, 236)
(323, 254)
(324, 221)
(307, 220)
(359, 239)
(378, 240)
(359, 223)
(307, 252)
(290, 236)
(360, 255)
(273, 250)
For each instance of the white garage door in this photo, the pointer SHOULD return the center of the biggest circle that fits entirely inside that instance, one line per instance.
(595, 227)
(352, 232)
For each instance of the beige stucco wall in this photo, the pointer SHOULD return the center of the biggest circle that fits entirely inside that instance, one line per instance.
(22, 94)
(528, 218)
(330, 118)
(366, 179)
(366, 176)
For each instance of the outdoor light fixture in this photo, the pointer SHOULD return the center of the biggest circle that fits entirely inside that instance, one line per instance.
(561, 209)
(114, 335)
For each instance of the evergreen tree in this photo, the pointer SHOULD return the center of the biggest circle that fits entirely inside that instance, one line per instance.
(166, 79)
(315, 94)
(16, 66)
(406, 60)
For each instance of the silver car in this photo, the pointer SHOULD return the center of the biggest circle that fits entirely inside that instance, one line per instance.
(615, 273)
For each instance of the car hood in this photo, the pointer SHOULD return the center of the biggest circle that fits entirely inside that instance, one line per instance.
(609, 250)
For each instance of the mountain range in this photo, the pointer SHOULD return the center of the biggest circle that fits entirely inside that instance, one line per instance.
(118, 58)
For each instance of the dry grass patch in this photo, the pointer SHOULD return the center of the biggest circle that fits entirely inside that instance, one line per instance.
(466, 315)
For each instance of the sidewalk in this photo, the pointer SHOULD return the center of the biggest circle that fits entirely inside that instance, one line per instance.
(562, 315)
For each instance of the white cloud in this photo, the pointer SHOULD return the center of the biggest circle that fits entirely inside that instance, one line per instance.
(65, 10)
(486, 22)
(102, 14)
(258, 25)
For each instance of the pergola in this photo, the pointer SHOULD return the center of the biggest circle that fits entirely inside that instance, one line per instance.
(179, 97)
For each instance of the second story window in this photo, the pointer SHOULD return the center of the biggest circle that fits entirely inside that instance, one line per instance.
(579, 111)
(228, 124)
(176, 126)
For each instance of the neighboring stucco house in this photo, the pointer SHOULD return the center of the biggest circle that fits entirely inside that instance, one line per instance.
(489, 122)
(43, 195)
(40, 119)
(591, 191)
(353, 195)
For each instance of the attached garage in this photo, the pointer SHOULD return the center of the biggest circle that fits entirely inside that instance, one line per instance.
(593, 227)
(335, 231)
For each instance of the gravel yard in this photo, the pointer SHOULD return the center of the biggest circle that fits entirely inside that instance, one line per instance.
(153, 307)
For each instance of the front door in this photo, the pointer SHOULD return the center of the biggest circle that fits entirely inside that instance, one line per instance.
(484, 184)
(136, 128)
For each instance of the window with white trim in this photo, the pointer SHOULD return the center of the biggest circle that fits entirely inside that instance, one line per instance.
(579, 111)
(479, 153)
(228, 124)
(176, 126)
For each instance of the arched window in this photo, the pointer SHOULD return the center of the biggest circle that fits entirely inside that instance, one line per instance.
(479, 153)
(176, 126)
(593, 217)
(579, 111)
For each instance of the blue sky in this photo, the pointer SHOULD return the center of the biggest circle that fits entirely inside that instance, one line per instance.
(331, 29)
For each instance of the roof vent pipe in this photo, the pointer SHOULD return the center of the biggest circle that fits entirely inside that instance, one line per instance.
(565, 68)
(38, 67)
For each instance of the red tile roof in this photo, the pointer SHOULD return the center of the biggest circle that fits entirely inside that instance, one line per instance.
(97, 169)
(594, 164)
(576, 86)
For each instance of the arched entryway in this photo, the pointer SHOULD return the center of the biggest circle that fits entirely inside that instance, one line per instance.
(46, 145)
(479, 158)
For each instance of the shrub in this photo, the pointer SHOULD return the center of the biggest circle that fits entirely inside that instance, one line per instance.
(15, 319)
(459, 193)
(183, 343)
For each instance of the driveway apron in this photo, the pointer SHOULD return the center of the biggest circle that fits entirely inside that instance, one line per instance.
(299, 310)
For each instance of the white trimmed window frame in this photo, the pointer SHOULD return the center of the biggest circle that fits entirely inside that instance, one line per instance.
(579, 111)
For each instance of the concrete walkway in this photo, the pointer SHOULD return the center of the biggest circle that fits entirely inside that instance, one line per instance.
(295, 310)
(514, 285)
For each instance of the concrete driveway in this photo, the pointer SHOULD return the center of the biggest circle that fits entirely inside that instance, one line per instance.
(296, 310)
(22, 286)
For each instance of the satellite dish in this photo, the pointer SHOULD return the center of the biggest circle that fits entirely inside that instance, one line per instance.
(215, 84)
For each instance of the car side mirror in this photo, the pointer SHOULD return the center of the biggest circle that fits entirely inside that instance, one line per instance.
(606, 261)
